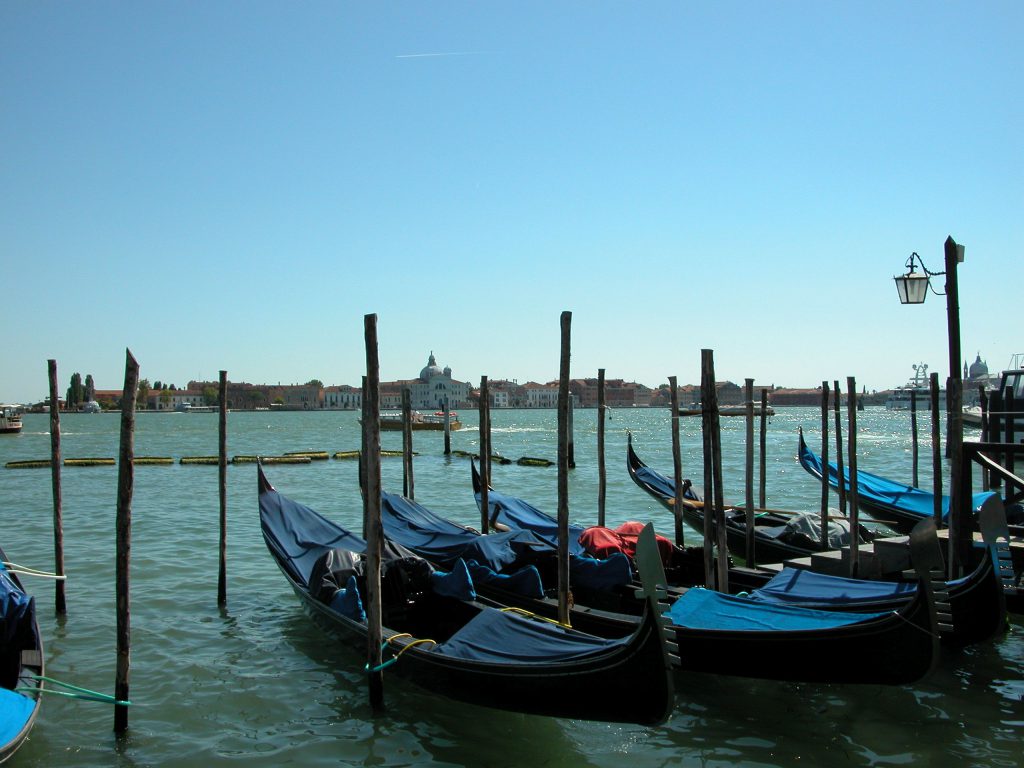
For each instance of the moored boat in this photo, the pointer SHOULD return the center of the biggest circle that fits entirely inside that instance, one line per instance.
(392, 421)
(458, 647)
(21, 663)
(10, 420)
(778, 535)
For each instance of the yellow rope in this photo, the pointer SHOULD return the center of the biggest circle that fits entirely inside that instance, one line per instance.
(529, 615)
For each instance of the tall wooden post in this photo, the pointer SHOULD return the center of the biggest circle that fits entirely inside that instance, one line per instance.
(60, 600)
(447, 427)
(762, 496)
(749, 387)
(824, 464)
(936, 450)
(722, 544)
(851, 411)
(408, 489)
(707, 446)
(839, 447)
(222, 486)
(364, 420)
(913, 438)
(125, 488)
(485, 455)
(959, 505)
(602, 480)
(563, 470)
(371, 514)
(677, 461)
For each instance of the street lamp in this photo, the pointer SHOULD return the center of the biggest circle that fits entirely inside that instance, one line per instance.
(913, 288)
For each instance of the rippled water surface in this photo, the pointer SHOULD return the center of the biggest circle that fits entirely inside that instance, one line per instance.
(257, 684)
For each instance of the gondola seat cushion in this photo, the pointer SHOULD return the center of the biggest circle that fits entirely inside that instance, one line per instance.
(347, 601)
(526, 581)
(613, 571)
(456, 583)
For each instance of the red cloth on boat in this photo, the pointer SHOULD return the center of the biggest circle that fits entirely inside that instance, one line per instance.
(602, 542)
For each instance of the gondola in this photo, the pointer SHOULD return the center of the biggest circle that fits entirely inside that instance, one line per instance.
(519, 567)
(778, 536)
(21, 663)
(454, 645)
(736, 635)
(973, 606)
(900, 505)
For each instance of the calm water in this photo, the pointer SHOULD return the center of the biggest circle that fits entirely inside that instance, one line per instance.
(257, 684)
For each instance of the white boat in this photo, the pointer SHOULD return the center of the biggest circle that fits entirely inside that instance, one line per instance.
(918, 386)
(10, 420)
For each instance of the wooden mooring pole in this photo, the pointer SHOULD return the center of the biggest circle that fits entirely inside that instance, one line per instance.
(933, 382)
(602, 480)
(123, 525)
(408, 487)
(824, 463)
(563, 469)
(371, 514)
(447, 427)
(714, 497)
(222, 483)
(763, 496)
(60, 599)
(913, 437)
(485, 457)
(839, 446)
(677, 461)
(749, 481)
(851, 413)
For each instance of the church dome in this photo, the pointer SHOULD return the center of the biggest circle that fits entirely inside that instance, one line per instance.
(978, 368)
(432, 369)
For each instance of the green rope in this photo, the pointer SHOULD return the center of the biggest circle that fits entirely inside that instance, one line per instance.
(80, 693)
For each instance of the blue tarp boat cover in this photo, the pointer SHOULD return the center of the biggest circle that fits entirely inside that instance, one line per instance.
(16, 608)
(519, 514)
(796, 586)
(417, 528)
(497, 636)
(884, 493)
(705, 609)
(657, 482)
(300, 536)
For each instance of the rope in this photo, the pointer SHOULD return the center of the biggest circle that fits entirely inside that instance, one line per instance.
(83, 694)
(387, 644)
(527, 614)
(915, 626)
(24, 570)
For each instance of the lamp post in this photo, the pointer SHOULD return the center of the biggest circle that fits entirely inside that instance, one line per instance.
(913, 289)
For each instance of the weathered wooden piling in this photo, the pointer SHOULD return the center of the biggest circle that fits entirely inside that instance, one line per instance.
(602, 480)
(677, 462)
(222, 477)
(371, 514)
(824, 463)
(913, 438)
(563, 469)
(408, 485)
(851, 412)
(123, 525)
(447, 427)
(933, 383)
(763, 496)
(485, 456)
(60, 599)
(714, 498)
(839, 446)
(749, 481)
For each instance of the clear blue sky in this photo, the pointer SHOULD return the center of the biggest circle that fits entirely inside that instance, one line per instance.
(234, 185)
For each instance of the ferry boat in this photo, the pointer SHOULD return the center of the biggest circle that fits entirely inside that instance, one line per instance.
(392, 420)
(899, 398)
(10, 420)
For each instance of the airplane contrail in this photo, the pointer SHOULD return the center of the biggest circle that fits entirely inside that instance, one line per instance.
(434, 55)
